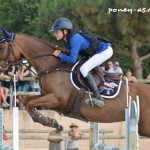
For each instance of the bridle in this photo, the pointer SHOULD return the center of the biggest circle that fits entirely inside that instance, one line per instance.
(6, 59)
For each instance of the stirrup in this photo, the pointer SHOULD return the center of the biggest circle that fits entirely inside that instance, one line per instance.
(95, 101)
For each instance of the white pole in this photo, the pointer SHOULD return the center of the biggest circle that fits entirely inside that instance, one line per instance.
(127, 91)
(138, 117)
(96, 132)
(127, 114)
(15, 121)
(15, 128)
(15, 90)
(127, 127)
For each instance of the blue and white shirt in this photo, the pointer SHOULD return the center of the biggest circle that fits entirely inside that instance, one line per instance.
(78, 43)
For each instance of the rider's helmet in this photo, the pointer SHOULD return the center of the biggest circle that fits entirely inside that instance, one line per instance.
(61, 24)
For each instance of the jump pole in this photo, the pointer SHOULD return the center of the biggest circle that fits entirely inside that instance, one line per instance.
(15, 121)
(15, 125)
(128, 100)
(134, 119)
(132, 113)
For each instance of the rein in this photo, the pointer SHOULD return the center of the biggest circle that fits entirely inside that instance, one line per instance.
(61, 68)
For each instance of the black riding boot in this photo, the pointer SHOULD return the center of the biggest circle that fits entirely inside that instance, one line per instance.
(96, 99)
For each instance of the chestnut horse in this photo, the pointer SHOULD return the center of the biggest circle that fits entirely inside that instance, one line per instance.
(57, 90)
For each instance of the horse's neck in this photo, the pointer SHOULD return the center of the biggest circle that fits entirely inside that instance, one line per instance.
(34, 50)
(38, 53)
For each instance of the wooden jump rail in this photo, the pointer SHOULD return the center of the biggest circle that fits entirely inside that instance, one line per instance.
(144, 80)
(65, 131)
(67, 138)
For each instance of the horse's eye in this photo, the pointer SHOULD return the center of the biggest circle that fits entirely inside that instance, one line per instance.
(1, 48)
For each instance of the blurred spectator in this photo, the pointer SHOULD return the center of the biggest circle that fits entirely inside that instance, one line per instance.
(4, 92)
(129, 76)
(34, 85)
(4, 135)
(12, 71)
(115, 68)
(148, 77)
(23, 72)
(110, 64)
(76, 135)
(23, 86)
(3, 95)
(102, 67)
(6, 76)
(5, 82)
(55, 144)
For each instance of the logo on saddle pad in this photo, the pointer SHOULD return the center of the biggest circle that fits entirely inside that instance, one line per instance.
(108, 88)
(111, 85)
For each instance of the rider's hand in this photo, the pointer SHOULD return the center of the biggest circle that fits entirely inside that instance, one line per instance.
(57, 53)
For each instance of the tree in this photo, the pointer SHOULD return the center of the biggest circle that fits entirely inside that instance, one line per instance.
(133, 32)
(128, 32)
(19, 15)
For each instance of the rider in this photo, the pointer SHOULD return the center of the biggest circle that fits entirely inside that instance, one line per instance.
(63, 29)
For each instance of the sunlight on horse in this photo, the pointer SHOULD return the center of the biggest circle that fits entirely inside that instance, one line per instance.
(57, 92)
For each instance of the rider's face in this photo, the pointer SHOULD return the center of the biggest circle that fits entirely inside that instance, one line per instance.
(58, 34)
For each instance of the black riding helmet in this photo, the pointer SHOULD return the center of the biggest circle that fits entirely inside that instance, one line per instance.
(61, 24)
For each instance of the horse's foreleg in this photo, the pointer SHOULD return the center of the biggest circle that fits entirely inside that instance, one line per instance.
(48, 100)
(46, 121)
(27, 98)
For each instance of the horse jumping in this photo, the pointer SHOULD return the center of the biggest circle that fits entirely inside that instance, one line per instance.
(57, 92)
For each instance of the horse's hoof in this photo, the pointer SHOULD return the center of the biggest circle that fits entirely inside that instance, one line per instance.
(54, 123)
(60, 127)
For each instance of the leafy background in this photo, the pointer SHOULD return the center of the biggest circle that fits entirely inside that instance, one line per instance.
(128, 33)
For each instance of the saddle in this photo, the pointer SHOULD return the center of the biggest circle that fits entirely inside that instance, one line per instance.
(7, 36)
(108, 83)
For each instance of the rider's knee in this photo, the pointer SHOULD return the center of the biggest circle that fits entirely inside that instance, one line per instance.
(84, 71)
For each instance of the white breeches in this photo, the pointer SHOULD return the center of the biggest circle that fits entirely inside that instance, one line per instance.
(96, 60)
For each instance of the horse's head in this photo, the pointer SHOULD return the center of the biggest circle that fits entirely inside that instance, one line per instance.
(3, 56)
(37, 52)
(6, 49)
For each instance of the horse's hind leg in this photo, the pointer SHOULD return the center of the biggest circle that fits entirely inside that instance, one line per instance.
(48, 100)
